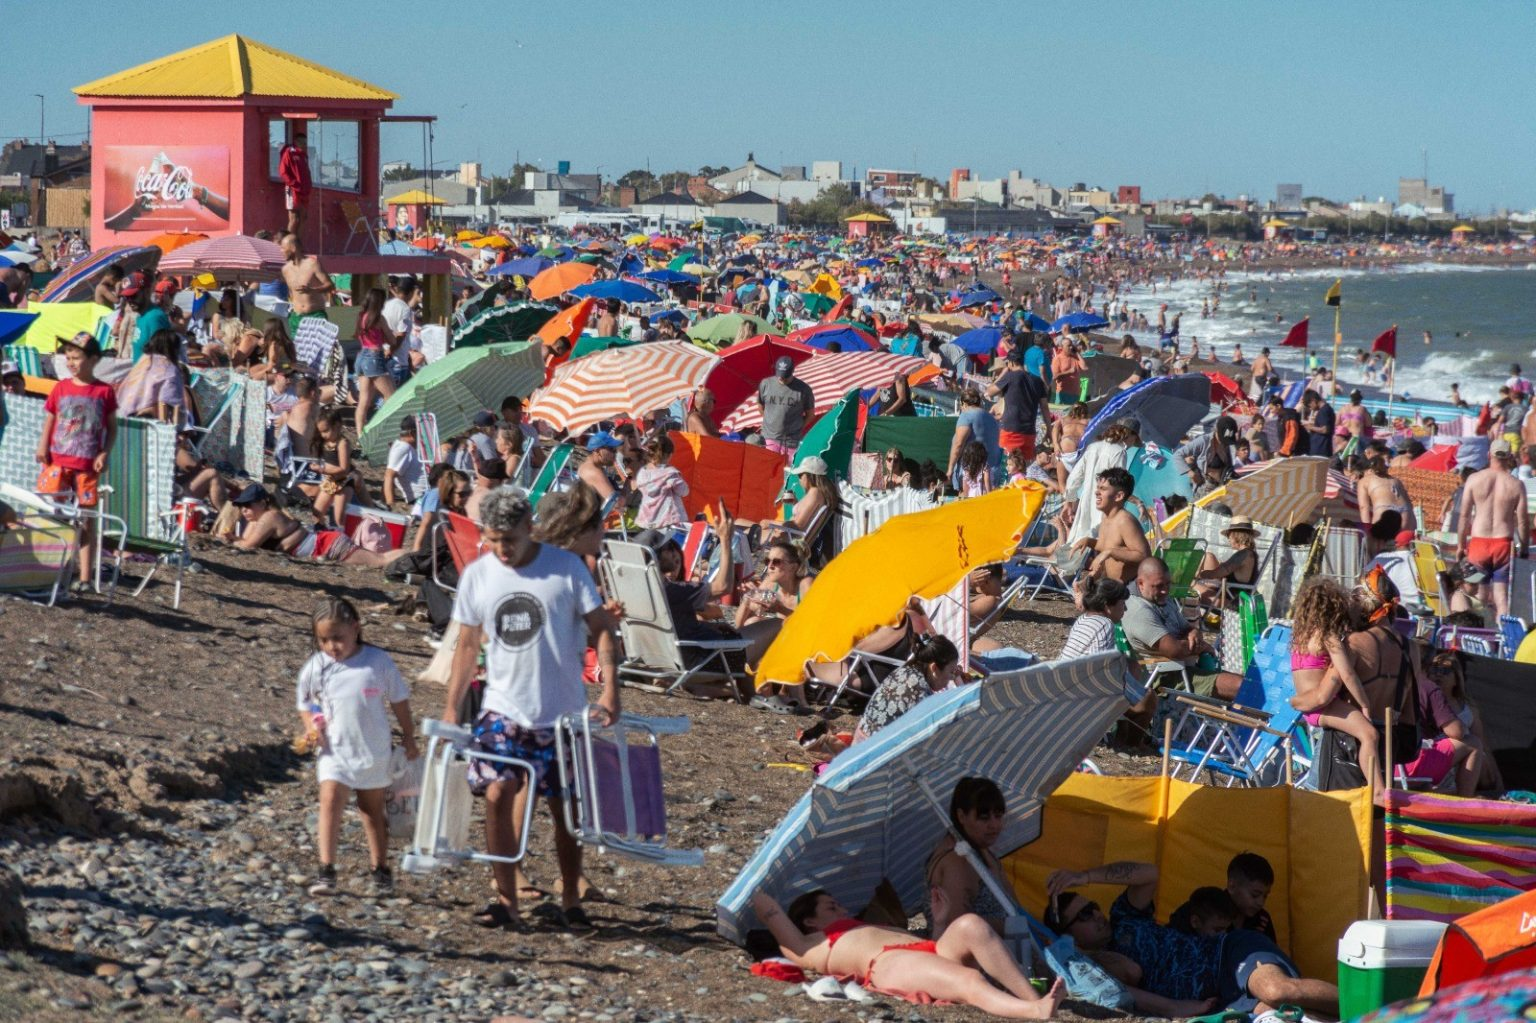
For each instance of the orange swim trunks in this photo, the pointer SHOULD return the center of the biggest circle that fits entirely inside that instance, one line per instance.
(1491, 556)
(1009, 440)
(57, 480)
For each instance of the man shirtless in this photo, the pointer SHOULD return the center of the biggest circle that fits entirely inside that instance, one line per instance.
(1495, 525)
(600, 470)
(1121, 543)
(1262, 370)
(309, 287)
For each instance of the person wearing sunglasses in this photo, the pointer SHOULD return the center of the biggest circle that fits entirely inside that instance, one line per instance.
(763, 608)
(1183, 973)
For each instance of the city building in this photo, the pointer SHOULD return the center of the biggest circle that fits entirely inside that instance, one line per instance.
(55, 179)
(750, 176)
(1419, 192)
(751, 207)
(671, 207)
(1288, 197)
(892, 182)
(956, 176)
(1128, 196)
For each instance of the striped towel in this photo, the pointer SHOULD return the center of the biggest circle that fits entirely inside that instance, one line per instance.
(426, 438)
(34, 555)
(1447, 857)
(27, 359)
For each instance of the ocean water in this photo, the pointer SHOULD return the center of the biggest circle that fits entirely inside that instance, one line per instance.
(1482, 320)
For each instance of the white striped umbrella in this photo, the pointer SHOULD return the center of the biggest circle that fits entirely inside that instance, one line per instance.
(235, 256)
(1285, 491)
(866, 820)
(832, 375)
(630, 381)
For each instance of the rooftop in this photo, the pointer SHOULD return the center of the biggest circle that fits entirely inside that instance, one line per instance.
(229, 68)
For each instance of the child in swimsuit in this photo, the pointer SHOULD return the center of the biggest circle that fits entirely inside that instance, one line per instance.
(1320, 667)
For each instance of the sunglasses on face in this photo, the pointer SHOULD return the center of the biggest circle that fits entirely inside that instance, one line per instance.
(771, 562)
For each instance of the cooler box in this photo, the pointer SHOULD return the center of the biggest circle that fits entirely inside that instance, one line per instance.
(1383, 961)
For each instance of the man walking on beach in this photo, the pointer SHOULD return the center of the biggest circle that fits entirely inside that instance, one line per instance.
(1494, 525)
(1263, 368)
(1022, 393)
(533, 607)
(787, 403)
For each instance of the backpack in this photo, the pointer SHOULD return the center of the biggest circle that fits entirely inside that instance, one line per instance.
(371, 535)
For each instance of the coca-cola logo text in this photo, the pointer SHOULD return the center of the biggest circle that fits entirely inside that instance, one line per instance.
(164, 183)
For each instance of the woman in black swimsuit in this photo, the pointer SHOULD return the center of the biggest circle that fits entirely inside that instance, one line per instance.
(1242, 568)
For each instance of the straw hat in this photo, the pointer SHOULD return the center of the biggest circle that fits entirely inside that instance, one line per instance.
(1239, 524)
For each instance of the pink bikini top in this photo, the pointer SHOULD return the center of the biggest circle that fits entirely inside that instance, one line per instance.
(1302, 661)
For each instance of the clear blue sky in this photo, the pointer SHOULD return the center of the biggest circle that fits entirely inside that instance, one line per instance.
(1178, 97)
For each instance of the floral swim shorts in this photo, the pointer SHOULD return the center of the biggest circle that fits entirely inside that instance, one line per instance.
(495, 733)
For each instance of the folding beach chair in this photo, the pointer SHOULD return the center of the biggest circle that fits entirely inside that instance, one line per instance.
(1512, 632)
(27, 359)
(441, 838)
(1482, 642)
(653, 652)
(176, 553)
(462, 538)
(1343, 554)
(1427, 567)
(1183, 557)
(557, 474)
(427, 440)
(612, 781)
(37, 553)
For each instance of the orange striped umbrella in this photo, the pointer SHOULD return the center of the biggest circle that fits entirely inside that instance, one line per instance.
(632, 381)
(832, 375)
(560, 278)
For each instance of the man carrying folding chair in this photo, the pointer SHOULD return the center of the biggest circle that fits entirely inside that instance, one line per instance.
(534, 607)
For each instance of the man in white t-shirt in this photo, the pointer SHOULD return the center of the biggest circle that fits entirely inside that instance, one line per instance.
(400, 314)
(404, 478)
(533, 606)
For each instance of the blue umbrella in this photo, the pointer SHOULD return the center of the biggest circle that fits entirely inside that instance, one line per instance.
(624, 291)
(979, 340)
(871, 261)
(669, 314)
(631, 264)
(668, 277)
(867, 817)
(1163, 407)
(1077, 323)
(13, 324)
(1038, 323)
(398, 248)
(13, 260)
(849, 339)
(981, 296)
(528, 266)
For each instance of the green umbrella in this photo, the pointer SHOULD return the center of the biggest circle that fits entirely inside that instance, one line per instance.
(721, 330)
(483, 301)
(831, 439)
(590, 344)
(456, 387)
(682, 257)
(517, 321)
(817, 304)
(553, 252)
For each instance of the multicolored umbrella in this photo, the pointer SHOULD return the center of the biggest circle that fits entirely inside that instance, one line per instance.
(560, 278)
(631, 381)
(77, 282)
(455, 388)
(517, 321)
(237, 256)
(830, 376)
(848, 338)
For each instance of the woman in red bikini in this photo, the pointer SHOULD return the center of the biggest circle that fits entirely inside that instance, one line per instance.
(819, 934)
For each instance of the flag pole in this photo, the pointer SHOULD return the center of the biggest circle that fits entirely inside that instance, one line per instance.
(1337, 337)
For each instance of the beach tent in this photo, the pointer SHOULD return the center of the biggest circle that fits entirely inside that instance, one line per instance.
(1447, 857)
(871, 581)
(1318, 843)
(1492, 941)
(744, 476)
(60, 319)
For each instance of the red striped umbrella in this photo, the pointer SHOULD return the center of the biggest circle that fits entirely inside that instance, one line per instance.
(631, 381)
(832, 375)
(236, 256)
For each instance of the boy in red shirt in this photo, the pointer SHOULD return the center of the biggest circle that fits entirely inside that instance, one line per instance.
(77, 437)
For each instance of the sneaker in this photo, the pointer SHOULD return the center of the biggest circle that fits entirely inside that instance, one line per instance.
(325, 880)
(381, 881)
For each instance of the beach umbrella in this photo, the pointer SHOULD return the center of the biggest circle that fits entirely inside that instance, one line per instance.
(1078, 323)
(979, 340)
(722, 330)
(821, 335)
(568, 323)
(493, 241)
(636, 239)
(871, 815)
(871, 581)
(667, 277)
(979, 296)
(1224, 390)
(831, 438)
(173, 240)
(14, 323)
(953, 323)
(623, 291)
(1037, 323)
(591, 344)
(1504, 997)
(477, 304)
(632, 381)
(830, 376)
(675, 315)
(699, 270)
(557, 252)
(1335, 499)
(517, 321)
(427, 242)
(1163, 407)
(815, 303)
(467, 235)
(1440, 458)
(1282, 492)
(229, 258)
(396, 247)
(528, 266)
(77, 282)
(559, 279)
(455, 388)
(746, 364)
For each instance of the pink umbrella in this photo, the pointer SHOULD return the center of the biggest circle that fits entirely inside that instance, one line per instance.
(832, 375)
(235, 257)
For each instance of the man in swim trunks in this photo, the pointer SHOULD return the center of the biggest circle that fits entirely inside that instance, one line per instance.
(1494, 524)
(819, 934)
(309, 286)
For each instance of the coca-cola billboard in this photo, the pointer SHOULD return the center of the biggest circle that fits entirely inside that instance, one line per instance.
(167, 188)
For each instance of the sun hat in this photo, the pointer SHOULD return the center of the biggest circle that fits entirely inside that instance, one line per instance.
(1239, 524)
(813, 465)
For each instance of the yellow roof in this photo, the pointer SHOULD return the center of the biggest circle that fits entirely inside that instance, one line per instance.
(1275, 222)
(415, 197)
(1463, 227)
(229, 68)
(1106, 219)
(867, 218)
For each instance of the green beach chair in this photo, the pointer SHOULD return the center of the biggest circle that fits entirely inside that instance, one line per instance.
(556, 474)
(1183, 557)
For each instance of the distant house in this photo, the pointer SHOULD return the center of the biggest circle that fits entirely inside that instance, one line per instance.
(453, 193)
(55, 179)
(752, 207)
(748, 177)
(670, 206)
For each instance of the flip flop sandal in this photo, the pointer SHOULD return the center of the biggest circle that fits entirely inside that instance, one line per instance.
(575, 919)
(498, 917)
(1221, 1017)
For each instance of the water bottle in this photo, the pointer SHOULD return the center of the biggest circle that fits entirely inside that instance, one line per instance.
(318, 721)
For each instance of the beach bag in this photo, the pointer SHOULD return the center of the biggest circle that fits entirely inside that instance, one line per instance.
(371, 535)
(403, 796)
(1086, 980)
(439, 670)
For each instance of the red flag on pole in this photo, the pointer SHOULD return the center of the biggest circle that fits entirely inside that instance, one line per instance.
(1296, 337)
(1386, 342)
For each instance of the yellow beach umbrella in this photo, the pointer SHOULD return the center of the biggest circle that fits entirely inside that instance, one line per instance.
(637, 239)
(826, 284)
(922, 554)
(494, 241)
(467, 235)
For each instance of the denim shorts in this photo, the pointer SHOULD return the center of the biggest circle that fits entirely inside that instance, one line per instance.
(371, 363)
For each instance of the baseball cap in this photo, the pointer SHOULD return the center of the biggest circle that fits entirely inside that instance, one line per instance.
(167, 286)
(252, 493)
(132, 285)
(9, 368)
(603, 439)
(654, 539)
(813, 465)
(1403, 538)
(85, 341)
(783, 366)
(1500, 447)
(484, 419)
(493, 469)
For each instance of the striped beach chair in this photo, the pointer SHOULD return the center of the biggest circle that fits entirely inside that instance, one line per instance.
(1447, 856)
(27, 359)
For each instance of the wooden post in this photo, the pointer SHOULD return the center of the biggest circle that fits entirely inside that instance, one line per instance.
(1290, 778)
(1386, 763)
(1167, 744)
